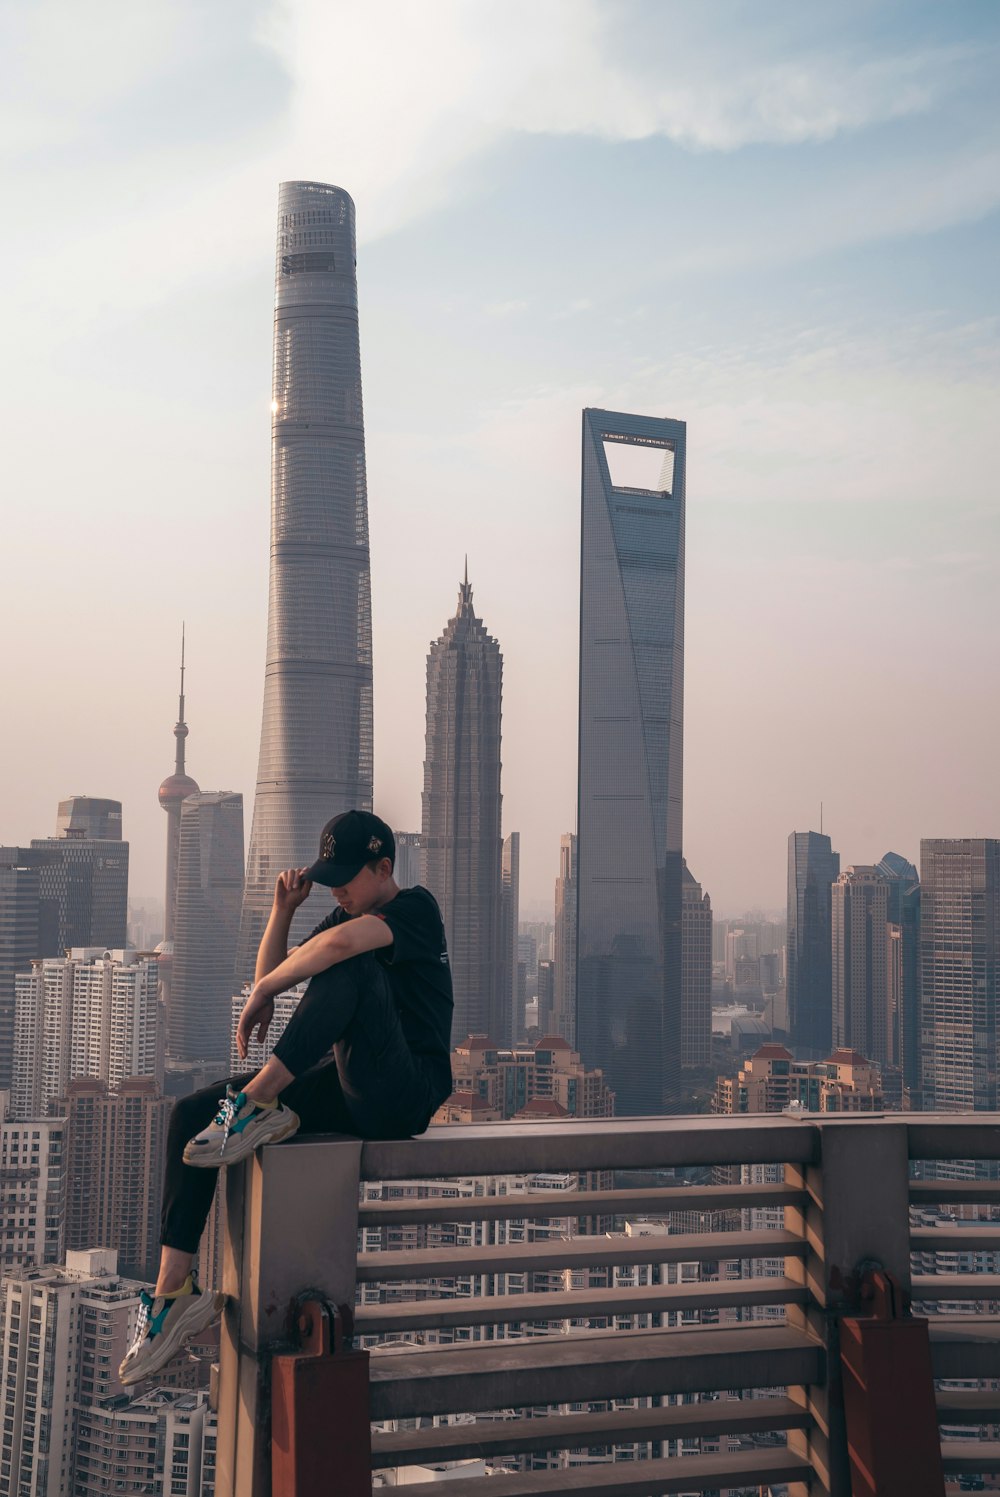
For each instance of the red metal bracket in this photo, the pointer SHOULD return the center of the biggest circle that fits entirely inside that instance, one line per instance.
(320, 1429)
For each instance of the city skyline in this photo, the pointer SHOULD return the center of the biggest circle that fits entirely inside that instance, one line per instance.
(810, 353)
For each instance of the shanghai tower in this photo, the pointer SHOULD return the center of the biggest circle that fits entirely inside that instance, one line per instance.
(316, 734)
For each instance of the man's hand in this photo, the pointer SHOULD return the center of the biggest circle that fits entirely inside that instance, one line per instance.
(291, 890)
(258, 1011)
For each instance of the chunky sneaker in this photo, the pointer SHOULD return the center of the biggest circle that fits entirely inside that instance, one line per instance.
(239, 1127)
(165, 1325)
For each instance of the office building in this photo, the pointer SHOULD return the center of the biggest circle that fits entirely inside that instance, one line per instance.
(32, 1213)
(206, 926)
(90, 1013)
(630, 759)
(20, 938)
(813, 867)
(696, 972)
(903, 883)
(959, 972)
(409, 866)
(115, 1143)
(511, 986)
(83, 886)
(461, 811)
(316, 733)
(564, 1004)
(862, 1017)
(510, 1078)
(546, 995)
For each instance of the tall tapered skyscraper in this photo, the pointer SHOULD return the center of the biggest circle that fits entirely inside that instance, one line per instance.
(631, 747)
(316, 736)
(461, 813)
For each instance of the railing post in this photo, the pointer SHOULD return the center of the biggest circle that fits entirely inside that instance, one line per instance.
(292, 1223)
(858, 1209)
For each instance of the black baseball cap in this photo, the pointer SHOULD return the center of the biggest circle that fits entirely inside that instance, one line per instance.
(347, 843)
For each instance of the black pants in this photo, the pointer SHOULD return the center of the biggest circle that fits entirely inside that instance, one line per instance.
(372, 1086)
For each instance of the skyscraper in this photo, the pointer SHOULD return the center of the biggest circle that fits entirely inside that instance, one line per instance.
(20, 939)
(630, 759)
(316, 735)
(696, 973)
(83, 888)
(513, 998)
(960, 972)
(408, 868)
(461, 811)
(812, 867)
(862, 1017)
(904, 970)
(171, 795)
(563, 1021)
(207, 924)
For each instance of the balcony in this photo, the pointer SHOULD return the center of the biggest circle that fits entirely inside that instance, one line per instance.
(815, 1196)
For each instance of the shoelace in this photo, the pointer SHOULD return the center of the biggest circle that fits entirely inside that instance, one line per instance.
(142, 1324)
(226, 1116)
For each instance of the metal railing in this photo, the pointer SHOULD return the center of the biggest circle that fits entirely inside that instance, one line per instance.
(708, 1357)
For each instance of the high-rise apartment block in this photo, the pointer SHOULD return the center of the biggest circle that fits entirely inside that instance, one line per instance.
(33, 1179)
(20, 936)
(461, 811)
(162, 1443)
(813, 866)
(90, 1013)
(510, 1079)
(206, 926)
(564, 1003)
(772, 1079)
(115, 1143)
(285, 1005)
(316, 734)
(83, 887)
(862, 1014)
(696, 973)
(960, 972)
(511, 987)
(630, 759)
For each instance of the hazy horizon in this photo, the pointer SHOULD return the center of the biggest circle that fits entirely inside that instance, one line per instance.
(779, 226)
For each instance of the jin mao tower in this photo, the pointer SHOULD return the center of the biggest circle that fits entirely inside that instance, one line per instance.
(316, 734)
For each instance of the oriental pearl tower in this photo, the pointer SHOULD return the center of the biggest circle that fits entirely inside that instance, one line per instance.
(175, 788)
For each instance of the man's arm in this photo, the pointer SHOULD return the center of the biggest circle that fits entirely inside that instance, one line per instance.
(351, 938)
(290, 891)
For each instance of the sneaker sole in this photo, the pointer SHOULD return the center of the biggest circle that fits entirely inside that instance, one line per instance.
(175, 1340)
(237, 1150)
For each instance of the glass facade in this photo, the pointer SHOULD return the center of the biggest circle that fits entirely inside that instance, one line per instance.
(813, 867)
(209, 894)
(316, 735)
(631, 759)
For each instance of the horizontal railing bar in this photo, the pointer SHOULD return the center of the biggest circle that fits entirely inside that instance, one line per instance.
(965, 1348)
(686, 1473)
(574, 1304)
(952, 1136)
(611, 1143)
(970, 1457)
(486, 1440)
(577, 1252)
(587, 1366)
(956, 1239)
(955, 1192)
(968, 1406)
(576, 1203)
(934, 1286)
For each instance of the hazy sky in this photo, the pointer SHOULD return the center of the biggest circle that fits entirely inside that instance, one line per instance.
(778, 222)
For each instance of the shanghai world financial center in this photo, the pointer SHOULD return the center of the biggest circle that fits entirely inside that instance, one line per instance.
(631, 759)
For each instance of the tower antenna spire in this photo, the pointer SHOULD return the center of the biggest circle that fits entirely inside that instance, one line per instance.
(821, 818)
(180, 727)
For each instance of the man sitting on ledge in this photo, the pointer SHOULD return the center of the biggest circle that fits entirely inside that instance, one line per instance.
(380, 998)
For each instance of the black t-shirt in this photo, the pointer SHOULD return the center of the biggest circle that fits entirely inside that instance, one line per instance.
(417, 967)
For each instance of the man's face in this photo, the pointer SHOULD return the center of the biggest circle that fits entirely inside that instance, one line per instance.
(363, 891)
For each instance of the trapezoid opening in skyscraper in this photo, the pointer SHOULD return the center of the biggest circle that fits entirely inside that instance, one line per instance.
(316, 732)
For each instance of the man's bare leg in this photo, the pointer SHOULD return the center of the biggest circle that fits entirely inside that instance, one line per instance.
(271, 1079)
(175, 1266)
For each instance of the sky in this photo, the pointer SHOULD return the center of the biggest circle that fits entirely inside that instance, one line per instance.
(776, 222)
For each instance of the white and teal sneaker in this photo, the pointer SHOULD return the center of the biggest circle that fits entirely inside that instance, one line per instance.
(239, 1127)
(165, 1326)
